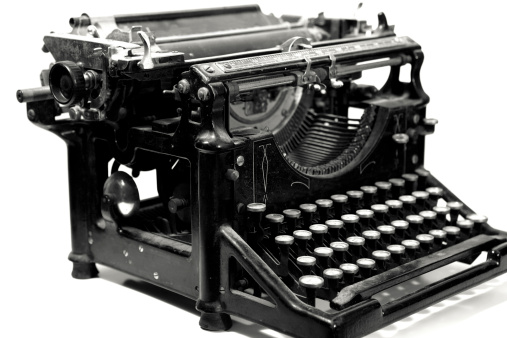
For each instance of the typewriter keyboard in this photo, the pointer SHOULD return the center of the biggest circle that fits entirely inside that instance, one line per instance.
(333, 242)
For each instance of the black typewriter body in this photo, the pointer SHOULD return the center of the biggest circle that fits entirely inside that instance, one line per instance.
(271, 193)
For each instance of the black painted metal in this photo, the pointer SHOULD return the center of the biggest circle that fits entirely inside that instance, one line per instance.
(197, 238)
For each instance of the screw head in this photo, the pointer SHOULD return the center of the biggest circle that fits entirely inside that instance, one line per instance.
(31, 115)
(240, 160)
(183, 86)
(203, 94)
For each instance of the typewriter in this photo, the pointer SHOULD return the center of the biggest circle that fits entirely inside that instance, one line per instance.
(290, 193)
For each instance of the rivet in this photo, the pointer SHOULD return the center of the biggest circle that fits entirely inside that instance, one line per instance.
(240, 160)
(155, 275)
(141, 249)
(125, 253)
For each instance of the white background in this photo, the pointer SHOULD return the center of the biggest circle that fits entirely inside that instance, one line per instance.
(464, 74)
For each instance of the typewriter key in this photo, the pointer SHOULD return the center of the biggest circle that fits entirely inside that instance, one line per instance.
(366, 266)
(397, 253)
(383, 189)
(274, 221)
(355, 197)
(453, 233)
(306, 263)
(435, 194)
(380, 213)
(479, 221)
(340, 251)
(323, 254)
(311, 283)
(423, 176)
(395, 209)
(421, 198)
(411, 247)
(465, 226)
(455, 207)
(426, 242)
(400, 229)
(254, 214)
(323, 206)
(318, 232)
(307, 211)
(382, 258)
(356, 244)
(386, 234)
(410, 183)
(371, 238)
(397, 187)
(339, 202)
(369, 195)
(302, 237)
(442, 213)
(438, 238)
(414, 225)
(284, 242)
(429, 220)
(408, 204)
(291, 219)
(349, 272)
(333, 277)
(365, 219)
(351, 224)
(334, 226)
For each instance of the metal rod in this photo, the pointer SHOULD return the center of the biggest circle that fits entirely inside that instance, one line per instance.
(34, 94)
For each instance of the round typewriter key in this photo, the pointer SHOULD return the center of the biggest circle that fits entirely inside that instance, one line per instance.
(452, 233)
(455, 207)
(284, 240)
(333, 277)
(429, 219)
(369, 193)
(397, 252)
(401, 228)
(371, 238)
(306, 264)
(339, 202)
(333, 273)
(439, 237)
(340, 249)
(397, 187)
(442, 213)
(479, 221)
(421, 198)
(395, 209)
(274, 220)
(410, 182)
(382, 258)
(307, 211)
(323, 205)
(349, 272)
(323, 254)
(365, 218)
(355, 246)
(350, 224)
(426, 242)
(366, 266)
(302, 237)
(423, 177)
(256, 207)
(334, 226)
(311, 283)
(435, 194)
(466, 226)
(386, 234)
(291, 218)
(411, 247)
(408, 204)
(383, 189)
(414, 224)
(355, 197)
(318, 231)
(380, 213)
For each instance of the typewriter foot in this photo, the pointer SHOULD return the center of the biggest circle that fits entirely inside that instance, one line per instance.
(84, 270)
(215, 321)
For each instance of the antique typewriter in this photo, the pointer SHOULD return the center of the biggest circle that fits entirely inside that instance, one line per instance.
(290, 192)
